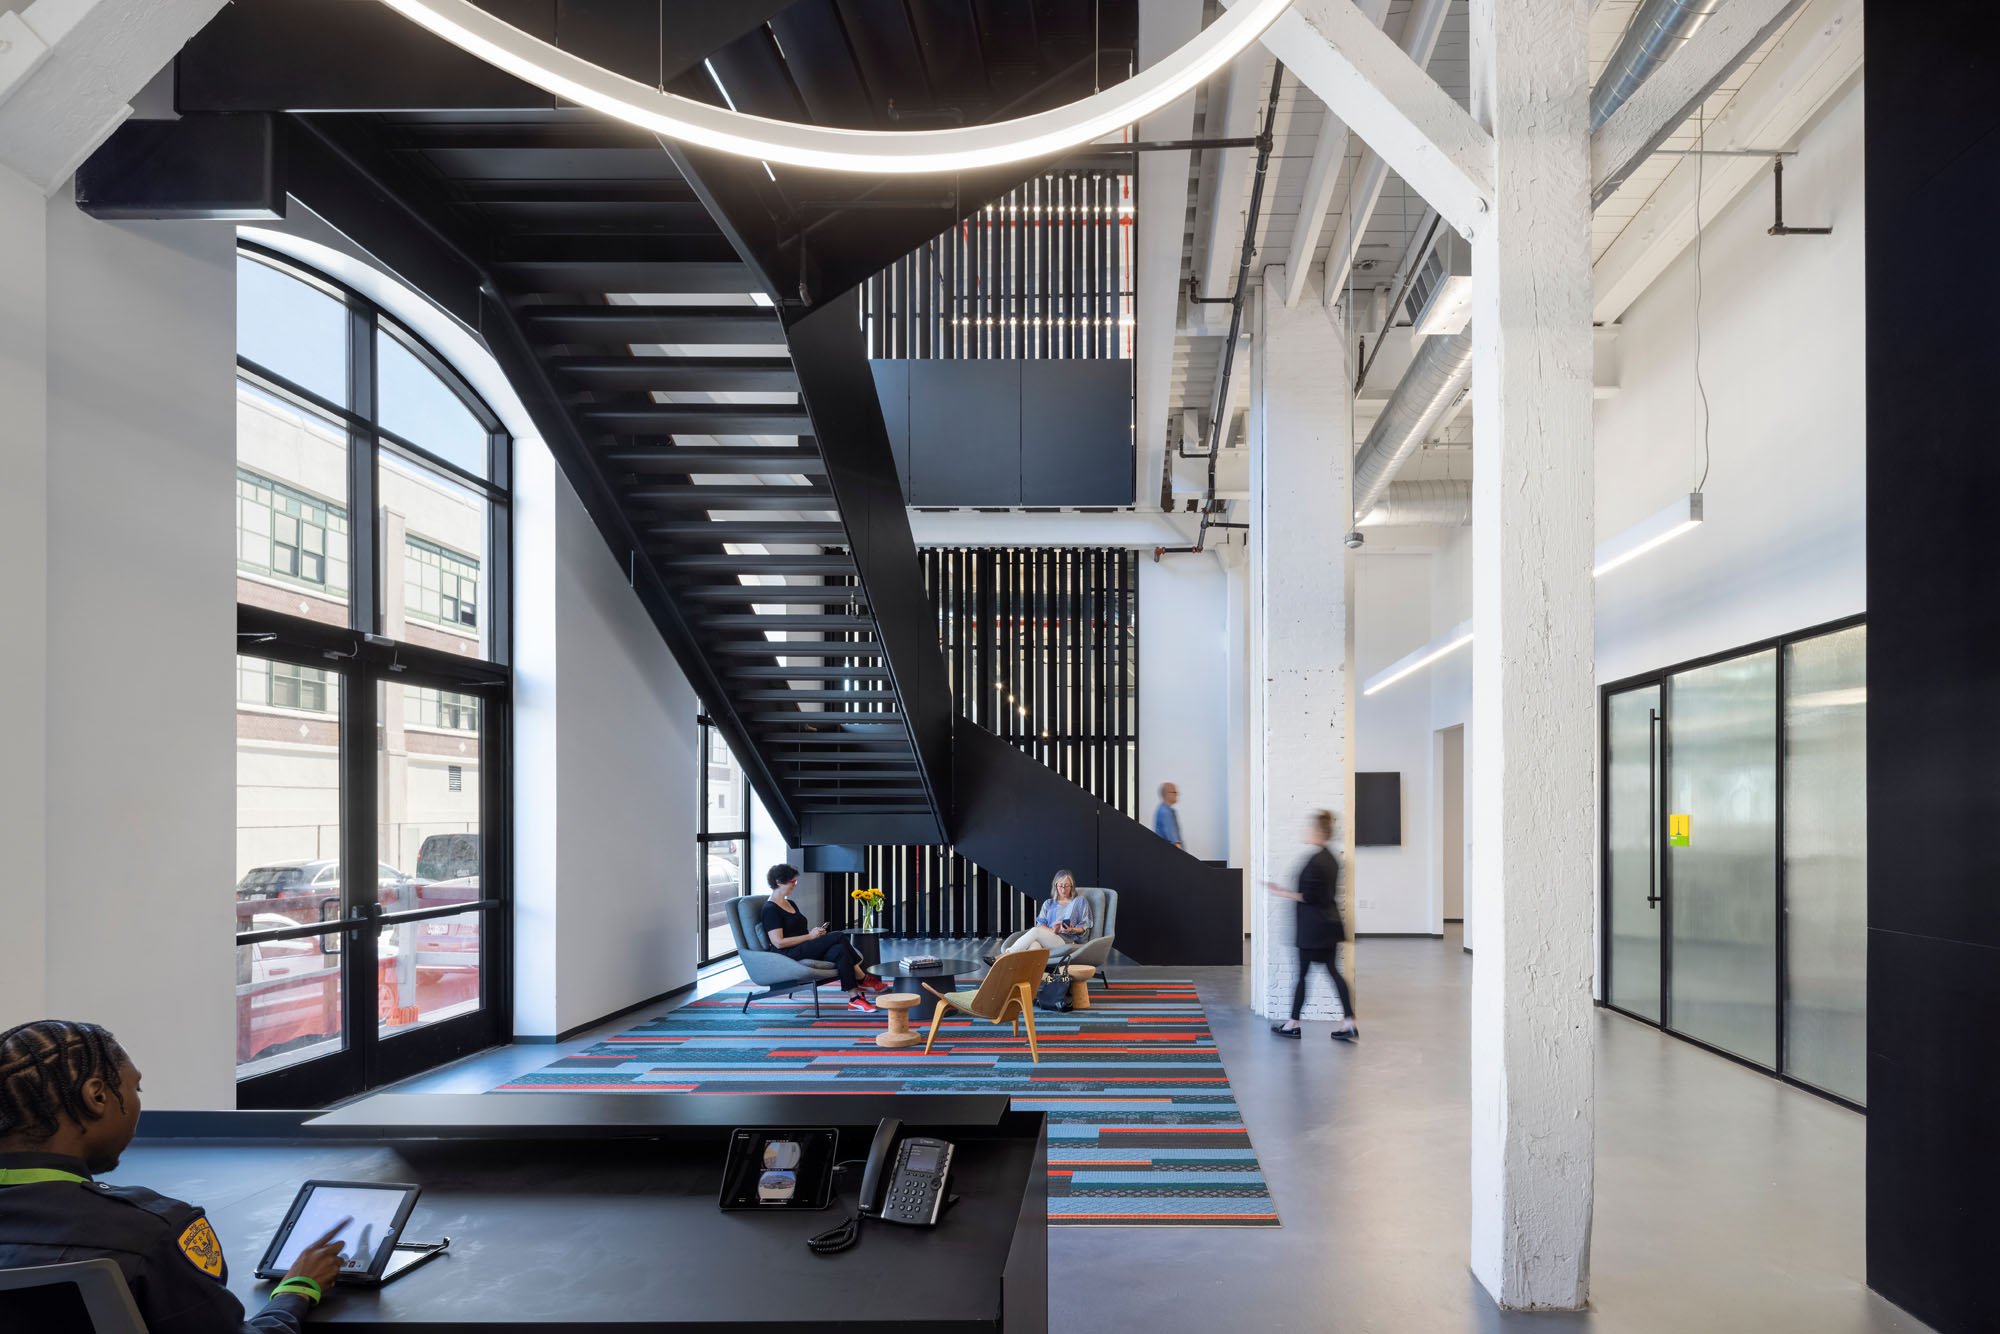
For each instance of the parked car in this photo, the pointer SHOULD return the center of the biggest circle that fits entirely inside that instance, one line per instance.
(448, 869)
(318, 883)
(288, 991)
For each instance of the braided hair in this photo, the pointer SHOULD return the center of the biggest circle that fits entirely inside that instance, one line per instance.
(43, 1068)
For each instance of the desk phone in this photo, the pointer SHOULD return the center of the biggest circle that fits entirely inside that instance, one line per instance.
(917, 1186)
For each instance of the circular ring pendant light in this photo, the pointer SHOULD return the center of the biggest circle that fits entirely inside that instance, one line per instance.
(877, 152)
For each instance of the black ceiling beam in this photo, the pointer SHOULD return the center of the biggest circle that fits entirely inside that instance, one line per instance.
(227, 168)
(724, 460)
(341, 55)
(649, 373)
(749, 326)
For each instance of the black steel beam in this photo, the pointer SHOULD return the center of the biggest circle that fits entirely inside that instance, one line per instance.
(615, 325)
(838, 388)
(338, 55)
(645, 374)
(729, 497)
(227, 168)
(696, 277)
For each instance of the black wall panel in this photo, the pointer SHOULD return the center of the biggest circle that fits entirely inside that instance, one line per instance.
(1076, 433)
(1006, 432)
(1933, 1190)
(892, 382)
(965, 433)
(1378, 810)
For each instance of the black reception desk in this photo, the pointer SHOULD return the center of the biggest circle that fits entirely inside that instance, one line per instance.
(597, 1212)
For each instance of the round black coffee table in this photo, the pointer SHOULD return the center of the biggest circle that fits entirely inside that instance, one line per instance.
(944, 975)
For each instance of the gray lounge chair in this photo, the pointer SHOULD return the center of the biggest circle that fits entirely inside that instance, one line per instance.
(1104, 931)
(778, 974)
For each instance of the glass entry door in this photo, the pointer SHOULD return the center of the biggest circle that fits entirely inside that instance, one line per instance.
(1633, 838)
(1722, 860)
(1735, 854)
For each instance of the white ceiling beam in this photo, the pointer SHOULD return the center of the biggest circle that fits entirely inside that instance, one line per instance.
(1392, 103)
(70, 70)
(1329, 156)
(1807, 68)
(1160, 222)
(1672, 92)
(1421, 30)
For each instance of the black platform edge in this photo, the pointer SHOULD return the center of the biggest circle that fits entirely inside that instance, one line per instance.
(577, 1030)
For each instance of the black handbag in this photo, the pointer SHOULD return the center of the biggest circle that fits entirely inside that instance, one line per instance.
(1053, 994)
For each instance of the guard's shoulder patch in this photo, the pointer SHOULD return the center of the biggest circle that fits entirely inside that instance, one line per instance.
(202, 1248)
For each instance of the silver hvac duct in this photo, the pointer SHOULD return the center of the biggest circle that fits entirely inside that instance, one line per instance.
(1432, 384)
(1655, 33)
(1432, 504)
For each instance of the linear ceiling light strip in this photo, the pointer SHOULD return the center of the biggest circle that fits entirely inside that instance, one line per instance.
(893, 152)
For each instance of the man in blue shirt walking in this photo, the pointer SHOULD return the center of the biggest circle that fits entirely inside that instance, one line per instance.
(1166, 822)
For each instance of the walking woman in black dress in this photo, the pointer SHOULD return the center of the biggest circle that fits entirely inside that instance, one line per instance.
(1320, 930)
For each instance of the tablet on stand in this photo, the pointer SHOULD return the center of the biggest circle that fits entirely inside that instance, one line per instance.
(376, 1212)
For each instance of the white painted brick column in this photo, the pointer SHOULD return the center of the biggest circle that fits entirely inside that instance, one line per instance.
(1533, 701)
(1301, 710)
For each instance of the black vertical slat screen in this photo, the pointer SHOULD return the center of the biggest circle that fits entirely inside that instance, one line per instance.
(1040, 647)
(1045, 272)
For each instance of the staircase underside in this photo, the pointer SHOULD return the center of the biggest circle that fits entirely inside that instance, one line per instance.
(685, 331)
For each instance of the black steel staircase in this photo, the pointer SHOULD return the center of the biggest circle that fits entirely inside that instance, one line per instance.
(685, 331)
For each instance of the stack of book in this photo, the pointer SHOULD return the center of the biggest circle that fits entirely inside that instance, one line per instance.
(915, 962)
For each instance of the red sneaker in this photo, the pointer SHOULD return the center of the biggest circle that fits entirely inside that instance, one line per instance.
(876, 984)
(863, 1005)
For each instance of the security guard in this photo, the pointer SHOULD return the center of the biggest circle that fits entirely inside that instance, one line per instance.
(69, 1104)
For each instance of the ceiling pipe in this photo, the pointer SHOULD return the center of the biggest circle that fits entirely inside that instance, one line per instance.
(1437, 376)
(1654, 33)
(1218, 428)
(1442, 366)
(1436, 504)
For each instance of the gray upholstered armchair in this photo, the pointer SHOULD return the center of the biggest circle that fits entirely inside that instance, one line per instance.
(1103, 928)
(777, 973)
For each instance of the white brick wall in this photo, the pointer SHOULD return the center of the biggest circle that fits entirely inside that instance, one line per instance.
(1301, 585)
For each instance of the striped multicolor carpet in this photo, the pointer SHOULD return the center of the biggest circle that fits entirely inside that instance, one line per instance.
(1143, 1128)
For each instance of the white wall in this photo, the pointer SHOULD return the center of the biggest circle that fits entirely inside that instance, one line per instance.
(24, 603)
(141, 762)
(1782, 545)
(627, 791)
(1393, 892)
(1184, 695)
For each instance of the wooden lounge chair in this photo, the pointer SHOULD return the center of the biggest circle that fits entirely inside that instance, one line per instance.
(1006, 992)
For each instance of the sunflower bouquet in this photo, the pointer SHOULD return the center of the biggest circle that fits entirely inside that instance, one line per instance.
(869, 904)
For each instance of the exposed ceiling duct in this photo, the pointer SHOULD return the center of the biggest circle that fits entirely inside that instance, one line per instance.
(1442, 365)
(1437, 375)
(1437, 504)
(1654, 33)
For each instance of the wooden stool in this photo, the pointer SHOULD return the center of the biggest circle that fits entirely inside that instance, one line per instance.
(898, 1004)
(1079, 985)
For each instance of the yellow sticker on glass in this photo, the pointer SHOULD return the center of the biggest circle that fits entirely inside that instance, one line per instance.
(203, 1249)
(1678, 831)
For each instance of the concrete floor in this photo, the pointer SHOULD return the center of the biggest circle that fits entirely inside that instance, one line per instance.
(1726, 1201)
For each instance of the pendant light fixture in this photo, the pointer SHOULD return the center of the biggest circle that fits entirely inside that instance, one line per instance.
(823, 148)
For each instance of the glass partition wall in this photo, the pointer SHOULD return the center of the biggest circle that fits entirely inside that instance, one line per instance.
(1735, 851)
(371, 697)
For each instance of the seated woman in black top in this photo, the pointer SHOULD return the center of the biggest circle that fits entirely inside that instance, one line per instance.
(792, 937)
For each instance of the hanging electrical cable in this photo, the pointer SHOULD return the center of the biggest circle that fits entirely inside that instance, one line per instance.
(1701, 389)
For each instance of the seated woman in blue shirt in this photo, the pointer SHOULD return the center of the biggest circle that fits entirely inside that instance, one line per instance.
(1062, 924)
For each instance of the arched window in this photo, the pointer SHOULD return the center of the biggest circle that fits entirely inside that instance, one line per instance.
(372, 520)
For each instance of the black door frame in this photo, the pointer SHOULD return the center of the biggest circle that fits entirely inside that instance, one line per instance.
(361, 660)
(1659, 677)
